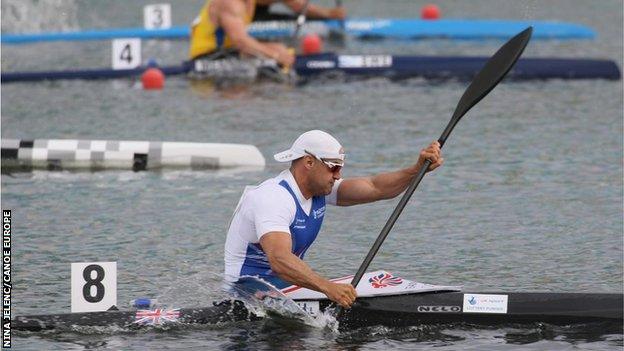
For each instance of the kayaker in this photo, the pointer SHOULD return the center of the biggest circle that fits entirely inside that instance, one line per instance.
(220, 30)
(275, 222)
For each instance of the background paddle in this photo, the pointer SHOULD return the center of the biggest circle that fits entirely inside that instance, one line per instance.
(490, 75)
(338, 36)
(301, 18)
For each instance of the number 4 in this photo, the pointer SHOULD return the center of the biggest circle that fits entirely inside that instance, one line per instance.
(126, 53)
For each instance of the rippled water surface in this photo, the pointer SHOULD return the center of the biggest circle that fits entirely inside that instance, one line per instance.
(529, 199)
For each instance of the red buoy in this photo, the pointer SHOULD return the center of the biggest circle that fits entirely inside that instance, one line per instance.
(311, 44)
(430, 11)
(153, 78)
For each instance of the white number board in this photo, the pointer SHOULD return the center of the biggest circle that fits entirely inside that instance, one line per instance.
(93, 286)
(126, 53)
(157, 16)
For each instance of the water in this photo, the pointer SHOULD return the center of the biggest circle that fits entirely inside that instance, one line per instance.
(529, 199)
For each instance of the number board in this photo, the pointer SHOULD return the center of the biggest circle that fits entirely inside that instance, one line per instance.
(157, 16)
(126, 53)
(93, 286)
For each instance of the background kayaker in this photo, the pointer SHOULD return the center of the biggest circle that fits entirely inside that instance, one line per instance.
(221, 29)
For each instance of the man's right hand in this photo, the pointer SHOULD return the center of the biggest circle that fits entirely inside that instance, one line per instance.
(342, 294)
(284, 56)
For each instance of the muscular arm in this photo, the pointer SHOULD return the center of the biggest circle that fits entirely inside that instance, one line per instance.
(278, 246)
(231, 18)
(361, 190)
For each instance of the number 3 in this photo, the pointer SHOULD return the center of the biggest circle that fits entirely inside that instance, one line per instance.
(158, 13)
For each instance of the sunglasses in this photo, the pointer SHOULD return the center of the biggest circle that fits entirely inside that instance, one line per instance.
(332, 165)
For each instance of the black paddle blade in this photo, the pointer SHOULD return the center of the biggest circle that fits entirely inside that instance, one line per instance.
(490, 75)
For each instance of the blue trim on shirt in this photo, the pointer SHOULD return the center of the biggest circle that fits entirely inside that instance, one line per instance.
(303, 230)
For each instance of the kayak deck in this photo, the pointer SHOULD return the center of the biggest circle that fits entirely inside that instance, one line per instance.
(364, 28)
(331, 66)
(392, 310)
(453, 307)
(223, 312)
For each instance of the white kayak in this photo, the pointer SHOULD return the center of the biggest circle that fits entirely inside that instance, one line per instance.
(55, 154)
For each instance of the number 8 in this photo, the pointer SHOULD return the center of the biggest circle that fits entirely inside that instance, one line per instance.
(97, 282)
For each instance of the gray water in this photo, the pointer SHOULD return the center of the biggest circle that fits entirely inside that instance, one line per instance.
(529, 199)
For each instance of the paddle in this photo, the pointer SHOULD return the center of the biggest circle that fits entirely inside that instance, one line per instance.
(338, 36)
(301, 18)
(490, 75)
(342, 21)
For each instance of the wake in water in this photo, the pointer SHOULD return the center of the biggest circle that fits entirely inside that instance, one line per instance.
(265, 300)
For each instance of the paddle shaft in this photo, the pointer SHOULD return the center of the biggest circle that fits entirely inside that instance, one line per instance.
(342, 21)
(489, 76)
(395, 214)
(390, 223)
(301, 18)
(293, 42)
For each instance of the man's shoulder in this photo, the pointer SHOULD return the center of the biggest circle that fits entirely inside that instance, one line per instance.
(234, 6)
(269, 189)
(270, 197)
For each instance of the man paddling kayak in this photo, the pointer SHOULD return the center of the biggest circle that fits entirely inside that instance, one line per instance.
(221, 28)
(277, 221)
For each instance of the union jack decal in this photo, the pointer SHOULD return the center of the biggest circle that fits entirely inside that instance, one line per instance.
(261, 295)
(385, 279)
(156, 317)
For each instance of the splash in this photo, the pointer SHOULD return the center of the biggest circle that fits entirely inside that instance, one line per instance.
(264, 299)
(287, 311)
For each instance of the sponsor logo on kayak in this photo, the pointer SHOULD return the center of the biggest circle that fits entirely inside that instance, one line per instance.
(364, 61)
(321, 64)
(438, 309)
(271, 25)
(485, 303)
(367, 25)
(385, 279)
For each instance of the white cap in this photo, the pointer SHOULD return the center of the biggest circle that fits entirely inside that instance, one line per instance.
(316, 142)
